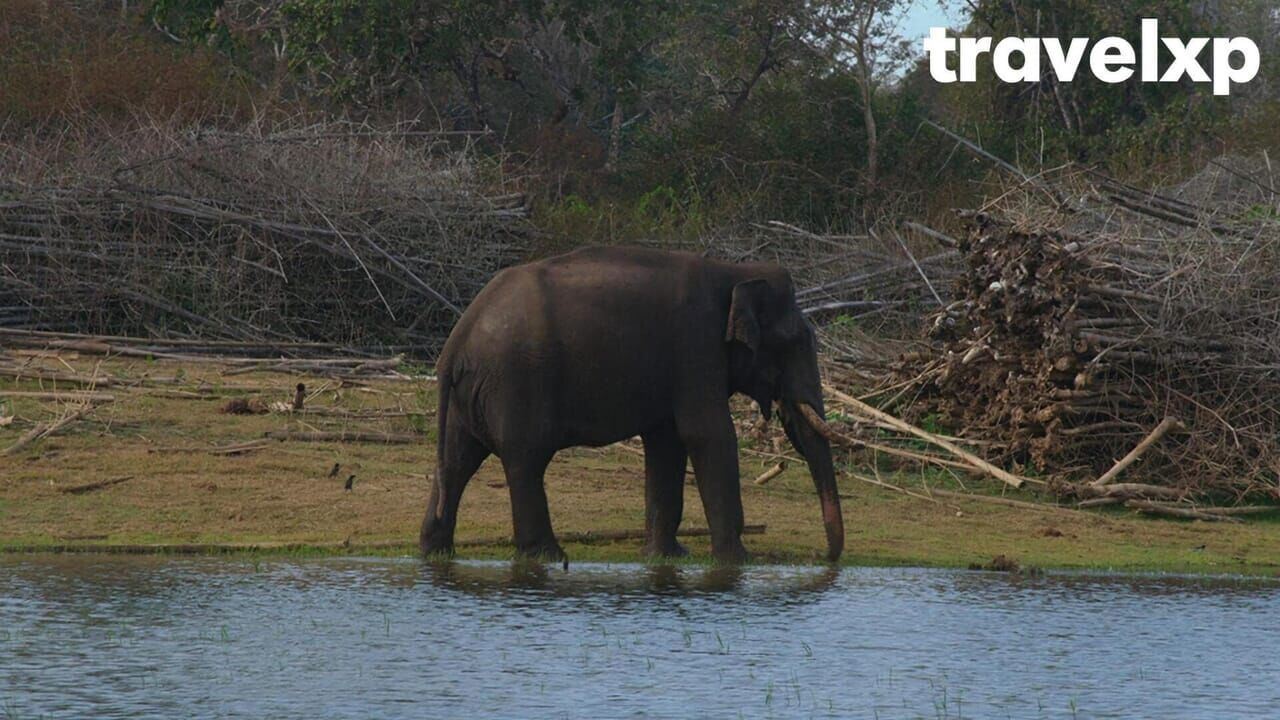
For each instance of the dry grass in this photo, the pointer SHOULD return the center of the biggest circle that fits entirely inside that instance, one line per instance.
(283, 493)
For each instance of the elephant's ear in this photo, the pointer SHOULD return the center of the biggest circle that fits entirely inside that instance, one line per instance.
(744, 320)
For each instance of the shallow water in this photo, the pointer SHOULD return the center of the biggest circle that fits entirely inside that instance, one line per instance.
(153, 637)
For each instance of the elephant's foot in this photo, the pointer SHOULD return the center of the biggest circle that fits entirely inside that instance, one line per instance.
(730, 554)
(436, 550)
(545, 551)
(668, 549)
(434, 542)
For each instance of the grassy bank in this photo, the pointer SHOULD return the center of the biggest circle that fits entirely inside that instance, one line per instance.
(158, 444)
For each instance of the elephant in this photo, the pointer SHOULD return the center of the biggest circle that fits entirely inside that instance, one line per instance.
(602, 344)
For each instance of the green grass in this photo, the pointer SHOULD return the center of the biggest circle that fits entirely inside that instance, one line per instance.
(283, 495)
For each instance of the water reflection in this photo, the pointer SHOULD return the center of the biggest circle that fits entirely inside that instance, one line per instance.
(629, 580)
(130, 637)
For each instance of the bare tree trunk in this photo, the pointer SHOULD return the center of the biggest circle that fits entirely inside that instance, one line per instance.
(873, 141)
(615, 137)
(868, 113)
(767, 63)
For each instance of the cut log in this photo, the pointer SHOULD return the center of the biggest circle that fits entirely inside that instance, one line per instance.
(771, 473)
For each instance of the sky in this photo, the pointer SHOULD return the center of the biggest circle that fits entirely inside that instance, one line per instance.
(924, 14)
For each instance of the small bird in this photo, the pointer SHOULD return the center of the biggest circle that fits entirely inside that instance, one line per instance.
(351, 479)
(334, 472)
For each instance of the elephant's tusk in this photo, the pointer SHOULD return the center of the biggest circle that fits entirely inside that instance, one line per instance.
(820, 425)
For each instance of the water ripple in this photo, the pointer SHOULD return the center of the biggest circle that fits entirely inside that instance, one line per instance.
(151, 637)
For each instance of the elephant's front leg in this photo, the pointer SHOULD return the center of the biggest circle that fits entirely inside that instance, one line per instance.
(664, 467)
(713, 446)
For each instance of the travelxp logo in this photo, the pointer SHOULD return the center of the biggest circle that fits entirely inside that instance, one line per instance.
(1111, 59)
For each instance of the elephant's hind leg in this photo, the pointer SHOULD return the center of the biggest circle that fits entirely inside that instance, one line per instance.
(665, 459)
(461, 457)
(530, 516)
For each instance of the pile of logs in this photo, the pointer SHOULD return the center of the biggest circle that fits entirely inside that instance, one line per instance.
(1133, 325)
(332, 233)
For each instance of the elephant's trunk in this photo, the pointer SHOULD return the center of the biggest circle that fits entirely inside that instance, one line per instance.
(798, 419)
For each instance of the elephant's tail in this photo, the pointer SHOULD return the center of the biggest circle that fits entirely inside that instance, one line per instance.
(445, 383)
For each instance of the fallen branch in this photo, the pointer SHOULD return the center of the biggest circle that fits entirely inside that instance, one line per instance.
(32, 374)
(895, 488)
(40, 338)
(903, 426)
(1167, 424)
(1242, 509)
(346, 436)
(1099, 502)
(998, 162)
(360, 414)
(835, 438)
(1136, 491)
(233, 449)
(76, 397)
(943, 239)
(185, 395)
(91, 487)
(997, 500)
(1182, 512)
(44, 430)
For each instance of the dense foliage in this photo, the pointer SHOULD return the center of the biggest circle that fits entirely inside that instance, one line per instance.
(650, 118)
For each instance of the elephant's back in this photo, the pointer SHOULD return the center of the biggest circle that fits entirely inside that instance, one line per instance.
(583, 287)
(501, 313)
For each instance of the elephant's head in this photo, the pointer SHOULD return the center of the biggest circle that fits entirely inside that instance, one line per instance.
(774, 357)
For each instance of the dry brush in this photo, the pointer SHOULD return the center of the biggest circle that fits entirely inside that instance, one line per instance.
(333, 232)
